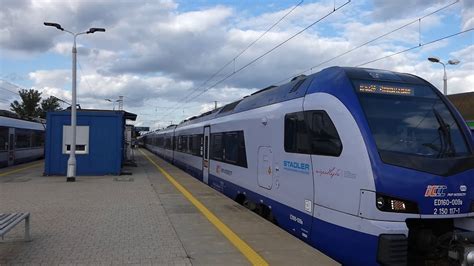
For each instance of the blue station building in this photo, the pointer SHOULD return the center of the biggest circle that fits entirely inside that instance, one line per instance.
(100, 142)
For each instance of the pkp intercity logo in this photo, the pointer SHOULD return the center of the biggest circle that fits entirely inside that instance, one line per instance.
(435, 191)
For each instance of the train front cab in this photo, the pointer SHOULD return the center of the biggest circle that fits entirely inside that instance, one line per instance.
(407, 156)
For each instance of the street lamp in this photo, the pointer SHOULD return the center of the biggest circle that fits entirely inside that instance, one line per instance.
(71, 163)
(113, 102)
(445, 78)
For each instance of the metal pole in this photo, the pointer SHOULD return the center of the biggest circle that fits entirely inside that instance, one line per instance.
(71, 163)
(445, 80)
(120, 101)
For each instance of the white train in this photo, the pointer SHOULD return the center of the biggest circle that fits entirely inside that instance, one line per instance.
(20, 141)
(369, 166)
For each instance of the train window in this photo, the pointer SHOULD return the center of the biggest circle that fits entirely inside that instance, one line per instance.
(231, 144)
(37, 139)
(190, 145)
(296, 133)
(195, 144)
(323, 135)
(216, 146)
(3, 138)
(23, 138)
(178, 145)
(229, 147)
(242, 160)
(206, 146)
(311, 132)
(159, 142)
(168, 143)
(184, 143)
(201, 147)
(235, 148)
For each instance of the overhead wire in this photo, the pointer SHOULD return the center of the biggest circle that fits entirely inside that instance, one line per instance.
(415, 47)
(19, 87)
(5, 89)
(357, 47)
(248, 46)
(368, 42)
(269, 51)
(272, 49)
(239, 54)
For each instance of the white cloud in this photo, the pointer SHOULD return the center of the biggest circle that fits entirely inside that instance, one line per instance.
(155, 54)
(59, 78)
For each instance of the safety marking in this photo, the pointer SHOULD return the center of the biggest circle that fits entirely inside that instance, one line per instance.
(243, 247)
(21, 169)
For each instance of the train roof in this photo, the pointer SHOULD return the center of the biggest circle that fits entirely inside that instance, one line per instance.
(19, 123)
(298, 87)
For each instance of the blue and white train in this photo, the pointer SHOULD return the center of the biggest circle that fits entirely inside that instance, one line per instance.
(20, 141)
(368, 166)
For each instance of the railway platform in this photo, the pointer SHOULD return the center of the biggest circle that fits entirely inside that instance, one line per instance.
(158, 216)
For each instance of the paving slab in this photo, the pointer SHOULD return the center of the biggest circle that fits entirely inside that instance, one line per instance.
(95, 220)
(275, 245)
(144, 221)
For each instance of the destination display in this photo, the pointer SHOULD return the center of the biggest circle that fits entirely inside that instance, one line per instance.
(385, 89)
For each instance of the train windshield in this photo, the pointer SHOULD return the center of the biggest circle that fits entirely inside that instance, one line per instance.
(410, 119)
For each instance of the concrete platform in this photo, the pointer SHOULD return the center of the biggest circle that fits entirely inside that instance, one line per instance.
(144, 220)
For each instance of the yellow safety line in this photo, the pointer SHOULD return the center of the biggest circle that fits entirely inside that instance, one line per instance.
(20, 169)
(243, 247)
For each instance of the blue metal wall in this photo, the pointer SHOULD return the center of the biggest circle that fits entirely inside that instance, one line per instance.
(106, 143)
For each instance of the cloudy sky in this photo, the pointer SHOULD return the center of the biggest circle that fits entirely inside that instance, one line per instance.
(159, 54)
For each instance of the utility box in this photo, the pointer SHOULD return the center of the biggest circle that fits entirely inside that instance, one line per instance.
(100, 142)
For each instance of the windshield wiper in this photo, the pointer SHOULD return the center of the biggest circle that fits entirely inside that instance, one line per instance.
(444, 131)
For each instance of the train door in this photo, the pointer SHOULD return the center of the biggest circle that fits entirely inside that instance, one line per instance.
(11, 146)
(265, 172)
(205, 155)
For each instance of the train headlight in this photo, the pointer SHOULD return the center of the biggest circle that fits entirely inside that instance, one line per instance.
(470, 258)
(380, 203)
(392, 204)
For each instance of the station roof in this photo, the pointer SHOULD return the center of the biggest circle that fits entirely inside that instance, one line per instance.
(464, 102)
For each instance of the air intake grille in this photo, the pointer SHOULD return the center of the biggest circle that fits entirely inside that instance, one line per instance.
(392, 250)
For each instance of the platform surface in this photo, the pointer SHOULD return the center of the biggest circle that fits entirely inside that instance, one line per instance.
(101, 220)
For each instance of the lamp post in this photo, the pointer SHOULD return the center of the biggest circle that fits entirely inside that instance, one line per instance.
(71, 163)
(113, 103)
(445, 77)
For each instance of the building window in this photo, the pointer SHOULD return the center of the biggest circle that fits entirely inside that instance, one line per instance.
(82, 139)
(311, 132)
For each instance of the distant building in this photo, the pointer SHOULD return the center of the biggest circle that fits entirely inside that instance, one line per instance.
(464, 102)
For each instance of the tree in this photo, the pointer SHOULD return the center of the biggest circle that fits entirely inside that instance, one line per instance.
(48, 105)
(29, 106)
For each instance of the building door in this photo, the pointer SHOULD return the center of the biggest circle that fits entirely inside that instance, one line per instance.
(11, 147)
(205, 155)
(265, 170)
